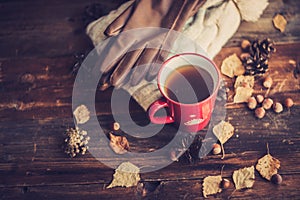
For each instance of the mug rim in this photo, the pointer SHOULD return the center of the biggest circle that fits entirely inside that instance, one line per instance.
(189, 104)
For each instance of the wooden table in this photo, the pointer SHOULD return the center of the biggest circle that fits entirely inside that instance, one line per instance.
(40, 38)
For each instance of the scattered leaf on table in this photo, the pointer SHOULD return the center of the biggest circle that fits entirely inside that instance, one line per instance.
(279, 22)
(232, 66)
(223, 131)
(267, 166)
(243, 178)
(81, 114)
(126, 175)
(119, 144)
(242, 94)
(211, 185)
(244, 81)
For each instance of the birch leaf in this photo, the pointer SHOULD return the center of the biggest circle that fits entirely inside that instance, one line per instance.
(223, 131)
(81, 114)
(232, 66)
(244, 81)
(243, 178)
(211, 185)
(279, 22)
(242, 94)
(126, 175)
(267, 166)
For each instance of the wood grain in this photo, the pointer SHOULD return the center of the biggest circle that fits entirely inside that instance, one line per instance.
(38, 41)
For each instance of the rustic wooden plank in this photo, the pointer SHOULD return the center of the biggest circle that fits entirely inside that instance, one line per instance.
(55, 28)
(52, 77)
(35, 114)
(47, 159)
(177, 189)
(32, 30)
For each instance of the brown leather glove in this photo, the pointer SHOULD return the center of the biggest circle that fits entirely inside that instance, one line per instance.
(168, 14)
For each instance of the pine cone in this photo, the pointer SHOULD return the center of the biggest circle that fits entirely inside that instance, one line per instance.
(260, 52)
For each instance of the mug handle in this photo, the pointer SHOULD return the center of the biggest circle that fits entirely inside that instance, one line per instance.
(156, 106)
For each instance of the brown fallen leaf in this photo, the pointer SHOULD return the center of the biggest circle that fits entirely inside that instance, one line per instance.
(223, 131)
(119, 144)
(242, 94)
(232, 66)
(211, 185)
(279, 22)
(126, 175)
(244, 178)
(81, 114)
(267, 166)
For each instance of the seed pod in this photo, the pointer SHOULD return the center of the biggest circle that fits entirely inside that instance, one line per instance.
(225, 183)
(260, 98)
(268, 82)
(267, 103)
(289, 102)
(245, 45)
(277, 107)
(260, 112)
(276, 179)
(216, 149)
(252, 103)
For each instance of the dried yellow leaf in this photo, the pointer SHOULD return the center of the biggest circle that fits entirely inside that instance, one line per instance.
(81, 114)
(244, 178)
(242, 94)
(244, 81)
(126, 175)
(232, 66)
(119, 144)
(279, 22)
(267, 166)
(211, 185)
(223, 131)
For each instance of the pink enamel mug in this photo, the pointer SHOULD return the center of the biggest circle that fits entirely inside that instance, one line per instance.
(189, 84)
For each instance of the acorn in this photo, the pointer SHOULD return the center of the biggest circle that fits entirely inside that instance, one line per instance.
(277, 107)
(260, 98)
(268, 82)
(252, 103)
(276, 179)
(289, 102)
(115, 126)
(225, 183)
(216, 149)
(267, 103)
(260, 112)
(245, 45)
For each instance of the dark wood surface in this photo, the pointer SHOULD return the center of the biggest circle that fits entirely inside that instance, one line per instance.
(41, 37)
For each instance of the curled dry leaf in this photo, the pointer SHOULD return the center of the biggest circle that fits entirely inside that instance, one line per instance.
(223, 131)
(267, 166)
(242, 94)
(126, 175)
(119, 144)
(244, 178)
(232, 66)
(211, 185)
(279, 22)
(244, 81)
(81, 114)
